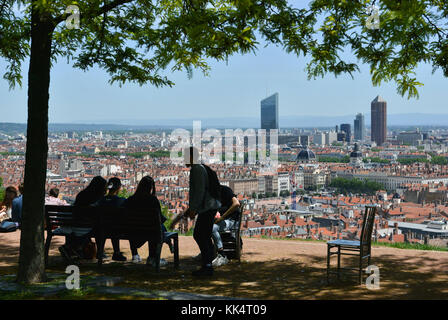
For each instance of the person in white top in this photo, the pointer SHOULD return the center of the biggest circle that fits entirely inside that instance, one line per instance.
(53, 198)
(6, 204)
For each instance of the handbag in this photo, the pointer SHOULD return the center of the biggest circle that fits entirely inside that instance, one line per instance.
(89, 250)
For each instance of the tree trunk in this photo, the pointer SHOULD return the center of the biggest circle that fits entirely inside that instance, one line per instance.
(31, 260)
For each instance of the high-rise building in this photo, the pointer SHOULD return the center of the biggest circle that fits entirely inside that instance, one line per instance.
(347, 128)
(331, 137)
(269, 112)
(379, 120)
(319, 139)
(360, 127)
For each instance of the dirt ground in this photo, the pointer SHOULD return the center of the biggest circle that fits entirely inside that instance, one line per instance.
(269, 269)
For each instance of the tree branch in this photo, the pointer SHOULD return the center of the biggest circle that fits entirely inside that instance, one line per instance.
(102, 10)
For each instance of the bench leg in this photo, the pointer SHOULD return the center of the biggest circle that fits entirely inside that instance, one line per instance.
(47, 247)
(176, 252)
(100, 250)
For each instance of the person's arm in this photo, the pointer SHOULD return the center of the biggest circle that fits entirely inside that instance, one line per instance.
(180, 216)
(159, 208)
(235, 205)
(197, 188)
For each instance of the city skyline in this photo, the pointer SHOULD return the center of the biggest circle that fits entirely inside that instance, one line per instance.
(76, 96)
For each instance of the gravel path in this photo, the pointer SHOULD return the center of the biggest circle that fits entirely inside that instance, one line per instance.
(274, 269)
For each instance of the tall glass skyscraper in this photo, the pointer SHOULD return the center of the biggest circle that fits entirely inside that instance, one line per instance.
(269, 112)
(379, 120)
(346, 127)
(360, 127)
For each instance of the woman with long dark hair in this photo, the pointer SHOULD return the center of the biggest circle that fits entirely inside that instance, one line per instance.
(92, 193)
(144, 199)
(6, 205)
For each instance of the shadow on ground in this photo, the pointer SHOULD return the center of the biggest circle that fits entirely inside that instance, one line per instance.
(400, 278)
(301, 276)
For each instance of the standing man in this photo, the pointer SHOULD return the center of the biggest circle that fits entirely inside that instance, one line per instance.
(203, 202)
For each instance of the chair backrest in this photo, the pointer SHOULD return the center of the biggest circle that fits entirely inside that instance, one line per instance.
(242, 206)
(367, 226)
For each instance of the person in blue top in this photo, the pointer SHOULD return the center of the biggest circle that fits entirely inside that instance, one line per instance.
(16, 208)
(113, 200)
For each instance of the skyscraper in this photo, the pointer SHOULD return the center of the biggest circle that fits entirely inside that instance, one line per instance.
(269, 112)
(346, 127)
(360, 127)
(379, 120)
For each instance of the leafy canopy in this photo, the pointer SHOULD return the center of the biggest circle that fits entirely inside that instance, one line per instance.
(139, 40)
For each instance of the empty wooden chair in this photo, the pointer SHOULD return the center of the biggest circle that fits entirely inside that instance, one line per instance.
(361, 248)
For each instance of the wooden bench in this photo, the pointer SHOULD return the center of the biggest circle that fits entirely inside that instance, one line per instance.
(110, 222)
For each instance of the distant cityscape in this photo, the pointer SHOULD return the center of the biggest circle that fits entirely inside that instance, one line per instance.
(326, 175)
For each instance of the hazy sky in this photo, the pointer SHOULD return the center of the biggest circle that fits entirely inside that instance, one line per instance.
(235, 89)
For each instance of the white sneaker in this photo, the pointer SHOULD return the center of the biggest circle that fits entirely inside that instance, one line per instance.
(136, 259)
(224, 260)
(219, 261)
(163, 262)
(151, 261)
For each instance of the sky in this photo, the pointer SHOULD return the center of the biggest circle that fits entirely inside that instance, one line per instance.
(234, 89)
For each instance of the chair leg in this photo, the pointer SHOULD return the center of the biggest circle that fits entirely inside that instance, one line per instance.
(328, 264)
(176, 251)
(360, 269)
(339, 263)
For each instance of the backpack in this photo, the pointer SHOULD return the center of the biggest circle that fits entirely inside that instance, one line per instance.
(214, 187)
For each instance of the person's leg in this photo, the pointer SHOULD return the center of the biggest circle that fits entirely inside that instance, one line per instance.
(217, 228)
(134, 247)
(203, 236)
(135, 244)
(115, 244)
(117, 256)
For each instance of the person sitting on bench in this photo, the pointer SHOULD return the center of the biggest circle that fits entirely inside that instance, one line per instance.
(53, 198)
(230, 215)
(113, 200)
(6, 204)
(144, 199)
(79, 237)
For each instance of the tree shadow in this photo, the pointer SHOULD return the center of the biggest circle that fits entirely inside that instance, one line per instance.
(400, 278)
(414, 275)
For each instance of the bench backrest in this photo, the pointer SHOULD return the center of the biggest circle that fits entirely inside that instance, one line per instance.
(107, 218)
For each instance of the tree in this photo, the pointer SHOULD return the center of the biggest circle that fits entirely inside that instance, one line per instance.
(2, 190)
(134, 41)
(138, 40)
